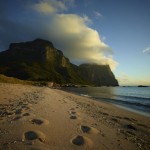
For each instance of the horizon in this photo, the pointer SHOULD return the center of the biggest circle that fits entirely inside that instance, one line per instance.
(115, 33)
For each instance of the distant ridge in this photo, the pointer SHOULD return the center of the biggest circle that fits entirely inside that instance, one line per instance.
(39, 60)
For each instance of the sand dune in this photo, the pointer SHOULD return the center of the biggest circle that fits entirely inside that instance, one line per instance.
(40, 118)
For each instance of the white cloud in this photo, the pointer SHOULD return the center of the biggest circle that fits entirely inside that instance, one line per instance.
(69, 32)
(49, 6)
(44, 8)
(98, 14)
(79, 42)
(146, 50)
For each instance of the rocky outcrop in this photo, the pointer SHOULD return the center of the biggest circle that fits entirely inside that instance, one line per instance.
(39, 60)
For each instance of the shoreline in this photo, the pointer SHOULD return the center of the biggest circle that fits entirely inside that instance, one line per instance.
(55, 119)
(133, 110)
(119, 105)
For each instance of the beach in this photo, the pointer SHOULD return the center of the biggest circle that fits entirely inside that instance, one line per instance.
(43, 118)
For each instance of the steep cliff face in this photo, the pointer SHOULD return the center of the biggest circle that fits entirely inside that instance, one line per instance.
(98, 74)
(37, 60)
(39, 51)
(40, 60)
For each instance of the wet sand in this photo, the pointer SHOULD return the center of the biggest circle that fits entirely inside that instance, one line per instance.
(40, 118)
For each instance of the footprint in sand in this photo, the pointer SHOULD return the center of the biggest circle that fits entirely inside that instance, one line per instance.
(115, 119)
(73, 114)
(40, 121)
(82, 141)
(34, 135)
(18, 111)
(38, 148)
(17, 118)
(89, 130)
(129, 126)
(73, 117)
(26, 114)
(72, 109)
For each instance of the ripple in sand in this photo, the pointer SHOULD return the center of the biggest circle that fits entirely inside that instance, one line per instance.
(82, 141)
(90, 130)
(34, 135)
(40, 121)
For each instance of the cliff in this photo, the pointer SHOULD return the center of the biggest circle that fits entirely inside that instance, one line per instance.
(39, 60)
(98, 74)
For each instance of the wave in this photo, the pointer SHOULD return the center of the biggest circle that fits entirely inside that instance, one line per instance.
(130, 100)
(84, 95)
(117, 101)
(133, 97)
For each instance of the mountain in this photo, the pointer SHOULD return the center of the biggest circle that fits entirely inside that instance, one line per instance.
(39, 60)
(98, 74)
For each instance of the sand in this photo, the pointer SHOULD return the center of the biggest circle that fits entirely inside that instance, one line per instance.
(40, 118)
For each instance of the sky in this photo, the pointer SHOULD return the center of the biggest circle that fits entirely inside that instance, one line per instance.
(114, 32)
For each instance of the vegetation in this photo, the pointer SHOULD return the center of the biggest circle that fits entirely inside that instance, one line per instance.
(5, 79)
(39, 61)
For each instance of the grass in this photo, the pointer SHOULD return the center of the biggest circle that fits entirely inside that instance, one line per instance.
(5, 79)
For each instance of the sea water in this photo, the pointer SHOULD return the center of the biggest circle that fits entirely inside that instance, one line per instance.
(132, 98)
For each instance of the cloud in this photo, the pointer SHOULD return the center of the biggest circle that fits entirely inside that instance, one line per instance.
(79, 42)
(98, 14)
(49, 6)
(69, 32)
(146, 50)
(44, 8)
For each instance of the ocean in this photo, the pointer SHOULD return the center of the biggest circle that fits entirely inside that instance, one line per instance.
(135, 99)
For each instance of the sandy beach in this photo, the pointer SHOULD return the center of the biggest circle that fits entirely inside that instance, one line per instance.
(41, 118)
